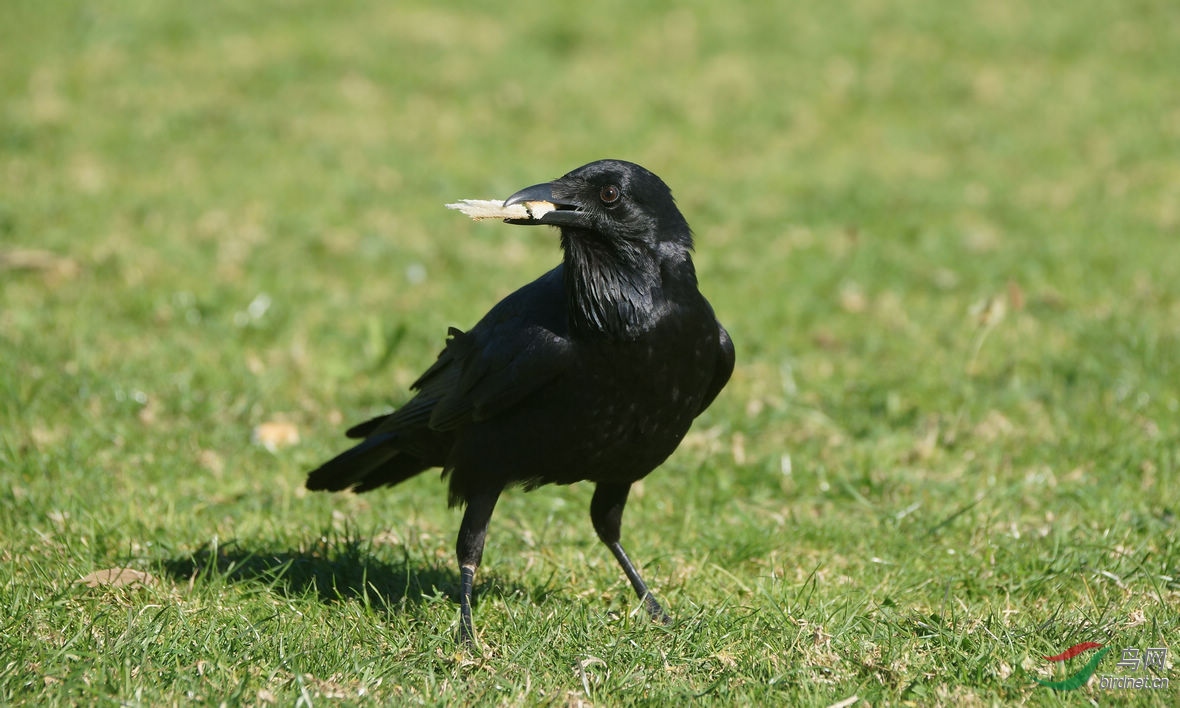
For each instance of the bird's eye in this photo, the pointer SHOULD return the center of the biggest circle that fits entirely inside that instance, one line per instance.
(609, 194)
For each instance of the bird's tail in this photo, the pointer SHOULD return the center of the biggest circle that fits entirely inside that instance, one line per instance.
(376, 462)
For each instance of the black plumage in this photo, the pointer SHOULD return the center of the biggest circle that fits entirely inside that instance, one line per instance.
(594, 371)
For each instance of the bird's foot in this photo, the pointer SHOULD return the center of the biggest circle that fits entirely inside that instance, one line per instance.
(656, 611)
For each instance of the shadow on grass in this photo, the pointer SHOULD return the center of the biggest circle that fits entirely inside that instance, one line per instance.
(332, 572)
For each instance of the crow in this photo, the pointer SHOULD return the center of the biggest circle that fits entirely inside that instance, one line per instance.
(593, 372)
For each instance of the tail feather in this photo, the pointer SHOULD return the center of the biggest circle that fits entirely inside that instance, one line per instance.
(397, 470)
(374, 463)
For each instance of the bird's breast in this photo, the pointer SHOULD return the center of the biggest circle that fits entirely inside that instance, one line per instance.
(638, 399)
(617, 412)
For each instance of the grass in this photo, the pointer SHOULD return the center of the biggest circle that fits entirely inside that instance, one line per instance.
(943, 237)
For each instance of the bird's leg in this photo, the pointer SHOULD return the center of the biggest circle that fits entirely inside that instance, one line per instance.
(469, 547)
(606, 511)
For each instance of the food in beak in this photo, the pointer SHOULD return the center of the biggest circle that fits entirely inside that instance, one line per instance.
(480, 209)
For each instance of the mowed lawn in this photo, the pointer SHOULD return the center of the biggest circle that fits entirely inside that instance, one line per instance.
(945, 238)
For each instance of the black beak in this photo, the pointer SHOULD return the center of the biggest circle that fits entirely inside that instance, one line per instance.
(555, 212)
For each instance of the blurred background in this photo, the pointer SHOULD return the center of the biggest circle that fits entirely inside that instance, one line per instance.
(942, 235)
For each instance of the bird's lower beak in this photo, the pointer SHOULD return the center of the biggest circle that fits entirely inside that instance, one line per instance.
(545, 209)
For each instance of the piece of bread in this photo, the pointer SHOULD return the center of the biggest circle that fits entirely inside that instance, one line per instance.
(479, 209)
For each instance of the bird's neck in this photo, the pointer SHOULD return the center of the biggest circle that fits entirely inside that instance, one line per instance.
(620, 293)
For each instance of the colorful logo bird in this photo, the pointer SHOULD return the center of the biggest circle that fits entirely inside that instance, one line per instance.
(1083, 675)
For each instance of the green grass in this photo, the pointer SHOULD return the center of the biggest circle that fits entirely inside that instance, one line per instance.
(942, 235)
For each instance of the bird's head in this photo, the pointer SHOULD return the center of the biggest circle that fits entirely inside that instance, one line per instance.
(626, 245)
(609, 201)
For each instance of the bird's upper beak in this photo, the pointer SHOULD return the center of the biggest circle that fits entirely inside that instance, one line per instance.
(556, 212)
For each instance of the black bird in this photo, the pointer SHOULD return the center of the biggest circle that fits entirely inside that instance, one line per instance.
(594, 371)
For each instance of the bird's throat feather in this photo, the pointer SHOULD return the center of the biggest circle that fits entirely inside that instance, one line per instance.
(611, 292)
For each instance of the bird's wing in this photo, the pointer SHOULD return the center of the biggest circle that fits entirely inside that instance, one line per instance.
(722, 370)
(498, 366)
(518, 347)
